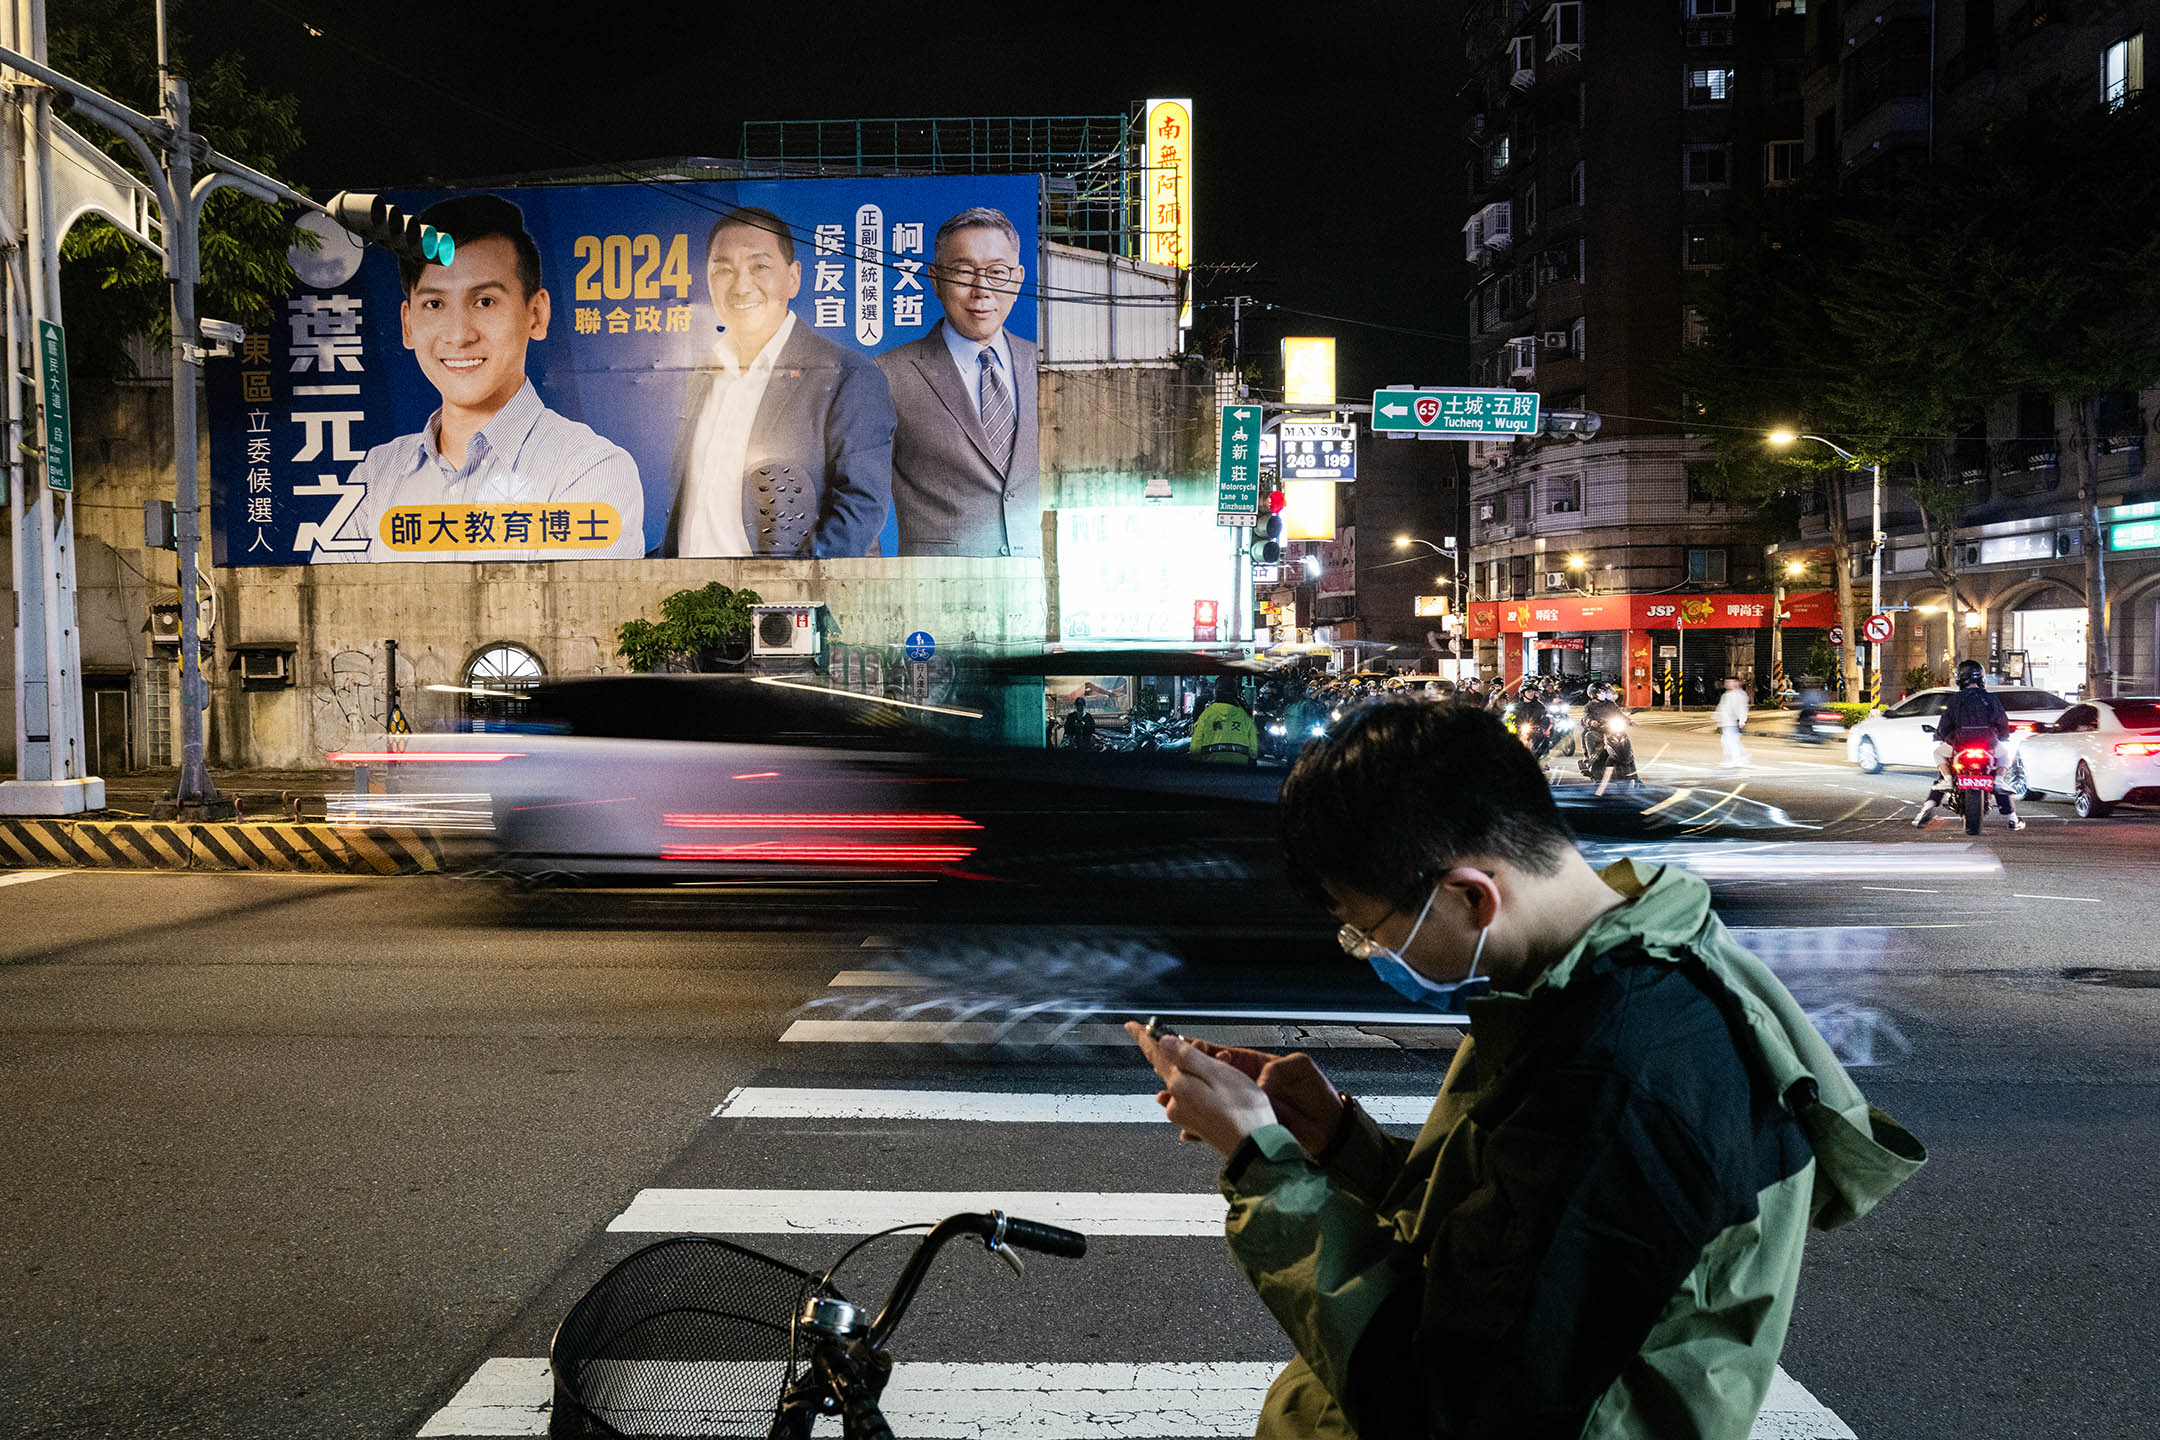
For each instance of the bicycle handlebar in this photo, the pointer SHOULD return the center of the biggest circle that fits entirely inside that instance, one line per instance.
(994, 1229)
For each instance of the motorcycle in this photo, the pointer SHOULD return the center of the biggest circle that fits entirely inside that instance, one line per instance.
(1973, 771)
(1817, 725)
(1530, 722)
(1608, 750)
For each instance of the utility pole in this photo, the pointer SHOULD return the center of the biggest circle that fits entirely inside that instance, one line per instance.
(179, 198)
(1237, 339)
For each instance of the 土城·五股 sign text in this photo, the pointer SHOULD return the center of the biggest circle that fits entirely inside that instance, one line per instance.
(1470, 414)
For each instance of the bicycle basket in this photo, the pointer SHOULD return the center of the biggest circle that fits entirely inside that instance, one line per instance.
(689, 1336)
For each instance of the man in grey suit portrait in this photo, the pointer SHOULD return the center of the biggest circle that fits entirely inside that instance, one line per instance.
(785, 446)
(964, 458)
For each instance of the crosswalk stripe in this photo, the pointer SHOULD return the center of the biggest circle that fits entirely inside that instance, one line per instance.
(1097, 1400)
(1032, 1031)
(757, 1102)
(863, 1212)
(887, 979)
(25, 877)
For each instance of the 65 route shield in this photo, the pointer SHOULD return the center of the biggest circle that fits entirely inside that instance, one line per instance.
(1469, 414)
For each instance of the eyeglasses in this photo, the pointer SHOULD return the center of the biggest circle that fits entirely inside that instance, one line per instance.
(969, 277)
(1360, 944)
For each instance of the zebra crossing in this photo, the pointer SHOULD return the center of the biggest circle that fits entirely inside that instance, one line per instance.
(953, 1131)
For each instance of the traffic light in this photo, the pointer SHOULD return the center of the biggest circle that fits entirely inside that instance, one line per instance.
(1267, 532)
(379, 222)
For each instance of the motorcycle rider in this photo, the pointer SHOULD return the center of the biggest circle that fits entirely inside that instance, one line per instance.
(1602, 706)
(1972, 717)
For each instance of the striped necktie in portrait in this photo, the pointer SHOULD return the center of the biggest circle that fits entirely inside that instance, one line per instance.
(997, 408)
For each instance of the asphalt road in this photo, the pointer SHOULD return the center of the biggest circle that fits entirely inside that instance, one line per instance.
(296, 1157)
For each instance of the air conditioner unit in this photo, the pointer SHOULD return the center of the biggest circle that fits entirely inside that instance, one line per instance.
(1565, 507)
(1484, 512)
(164, 625)
(1555, 340)
(1556, 580)
(787, 630)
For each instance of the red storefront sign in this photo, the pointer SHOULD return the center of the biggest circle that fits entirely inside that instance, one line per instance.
(1490, 618)
(1566, 642)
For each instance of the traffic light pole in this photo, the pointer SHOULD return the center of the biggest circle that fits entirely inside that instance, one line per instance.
(180, 197)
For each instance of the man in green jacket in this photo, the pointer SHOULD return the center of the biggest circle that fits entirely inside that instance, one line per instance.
(1599, 1230)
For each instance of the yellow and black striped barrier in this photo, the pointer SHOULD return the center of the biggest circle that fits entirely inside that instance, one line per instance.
(167, 845)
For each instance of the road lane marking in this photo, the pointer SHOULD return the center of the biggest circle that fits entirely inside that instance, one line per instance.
(1902, 889)
(1074, 1400)
(26, 876)
(761, 1102)
(2079, 899)
(864, 1212)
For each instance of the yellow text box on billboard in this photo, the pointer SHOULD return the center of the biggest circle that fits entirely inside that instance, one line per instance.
(440, 529)
(1166, 212)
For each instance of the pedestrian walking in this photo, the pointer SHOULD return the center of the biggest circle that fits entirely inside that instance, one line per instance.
(1599, 1230)
(1731, 715)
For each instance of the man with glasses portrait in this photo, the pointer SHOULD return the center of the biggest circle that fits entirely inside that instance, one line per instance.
(964, 457)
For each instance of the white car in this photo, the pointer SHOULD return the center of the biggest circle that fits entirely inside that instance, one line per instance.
(1905, 733)
(2099, 754)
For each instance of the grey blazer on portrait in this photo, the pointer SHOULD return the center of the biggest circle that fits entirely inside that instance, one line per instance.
(949, 495)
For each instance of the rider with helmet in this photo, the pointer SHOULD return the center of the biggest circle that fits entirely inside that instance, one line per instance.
(1972, 717)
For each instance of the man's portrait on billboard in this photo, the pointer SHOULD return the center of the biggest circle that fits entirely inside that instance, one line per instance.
(964, 458)
(785, 439)
(492, 440)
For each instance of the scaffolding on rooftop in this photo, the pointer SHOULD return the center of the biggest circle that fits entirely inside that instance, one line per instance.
(1092, 164)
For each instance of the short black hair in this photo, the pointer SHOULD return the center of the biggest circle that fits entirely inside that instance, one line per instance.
(754, 217)
(466, 218)
(1407, 789)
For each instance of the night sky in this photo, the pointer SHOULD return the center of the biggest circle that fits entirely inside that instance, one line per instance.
(1326, 151)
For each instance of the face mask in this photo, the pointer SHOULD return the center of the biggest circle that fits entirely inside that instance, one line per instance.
(1395, 972)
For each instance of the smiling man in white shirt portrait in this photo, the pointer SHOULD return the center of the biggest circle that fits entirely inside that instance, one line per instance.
(492, 441)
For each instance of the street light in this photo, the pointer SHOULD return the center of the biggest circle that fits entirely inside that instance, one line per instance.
(1786, 437)
(1404, 542)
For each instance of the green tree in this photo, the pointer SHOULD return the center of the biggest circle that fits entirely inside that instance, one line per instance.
(2074, 300)
(699, 630)
(111, 287)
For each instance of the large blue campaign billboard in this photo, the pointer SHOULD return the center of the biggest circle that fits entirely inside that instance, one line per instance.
(802, 368)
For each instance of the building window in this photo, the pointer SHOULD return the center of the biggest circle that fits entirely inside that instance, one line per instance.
(1694, 330)
(1708, 166)
(1563, 26)
(1788, 7)
(1711, 9)
(1579, 337)
(1501, 149)
(1711, 86)
(1522, 58)
(1706, 567)
(1473, 305)
(497, 680)
(1564, 497)
(2122, 71)
(1575, 184)
(1782, 160)
(1706, 248)
(1529, 206)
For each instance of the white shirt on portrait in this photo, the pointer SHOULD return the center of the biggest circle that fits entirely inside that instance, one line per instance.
(713, 489)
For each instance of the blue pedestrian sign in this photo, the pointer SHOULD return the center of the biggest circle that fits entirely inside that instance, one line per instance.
(920, 646)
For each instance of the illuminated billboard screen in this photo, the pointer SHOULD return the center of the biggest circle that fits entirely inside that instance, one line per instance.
(803, 368)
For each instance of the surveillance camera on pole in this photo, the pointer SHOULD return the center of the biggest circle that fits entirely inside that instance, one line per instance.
(378, 222)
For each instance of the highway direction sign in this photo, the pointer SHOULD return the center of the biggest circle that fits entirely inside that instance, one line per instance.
(1467, 414)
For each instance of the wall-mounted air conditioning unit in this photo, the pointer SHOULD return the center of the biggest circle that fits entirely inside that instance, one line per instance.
(1556, 580)
(1484, 512)
(1555, 339)
(787, 630)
